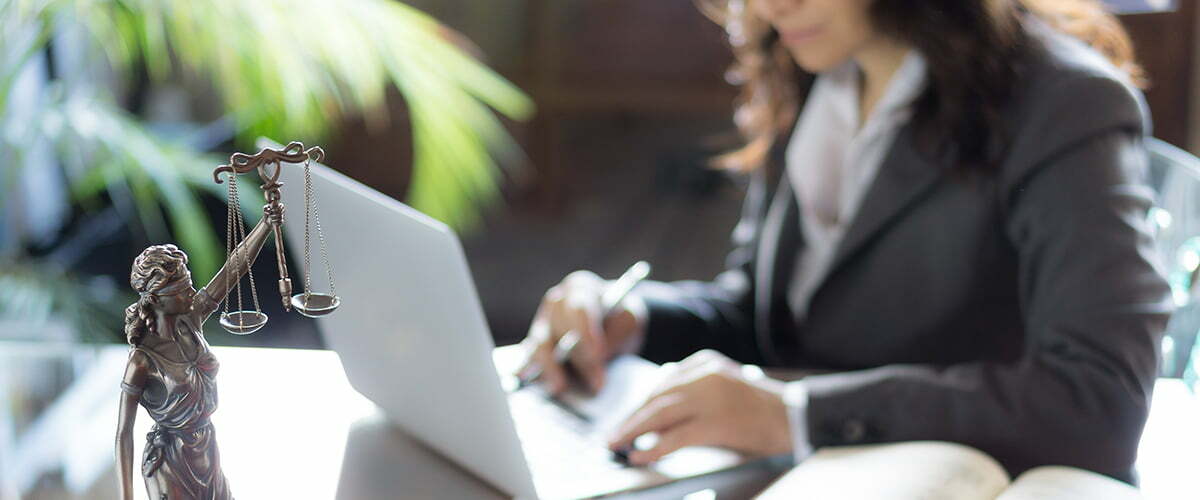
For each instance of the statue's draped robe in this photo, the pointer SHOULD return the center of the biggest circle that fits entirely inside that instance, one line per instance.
(181, 461)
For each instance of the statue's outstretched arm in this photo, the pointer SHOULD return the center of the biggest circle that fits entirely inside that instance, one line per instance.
(242, 257)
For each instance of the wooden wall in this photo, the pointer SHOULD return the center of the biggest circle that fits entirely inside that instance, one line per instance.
(1165, 46)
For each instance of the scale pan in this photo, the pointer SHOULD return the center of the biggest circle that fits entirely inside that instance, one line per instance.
(317, 305)
(243, 322)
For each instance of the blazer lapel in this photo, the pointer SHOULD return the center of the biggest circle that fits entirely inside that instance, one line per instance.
(902, 178)
(778, 245)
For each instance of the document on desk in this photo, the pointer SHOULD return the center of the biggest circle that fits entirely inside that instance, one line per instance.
(930, 470)
(629, 382)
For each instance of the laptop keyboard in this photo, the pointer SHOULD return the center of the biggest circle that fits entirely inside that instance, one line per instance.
(554, 438)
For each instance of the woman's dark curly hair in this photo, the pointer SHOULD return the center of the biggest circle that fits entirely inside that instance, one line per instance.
(972, 48)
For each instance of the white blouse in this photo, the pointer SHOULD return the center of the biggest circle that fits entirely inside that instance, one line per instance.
(832, 160)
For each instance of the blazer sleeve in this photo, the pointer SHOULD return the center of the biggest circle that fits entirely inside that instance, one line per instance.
(687, 316)
(1093, 299)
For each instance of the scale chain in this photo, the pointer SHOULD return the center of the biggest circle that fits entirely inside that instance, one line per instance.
(236, 238)
(236, 231)
(246, 264)
(307, 238)
(324, 250)
(231, 201)
(311, 210)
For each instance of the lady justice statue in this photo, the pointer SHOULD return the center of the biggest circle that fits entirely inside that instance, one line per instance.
(171, 371)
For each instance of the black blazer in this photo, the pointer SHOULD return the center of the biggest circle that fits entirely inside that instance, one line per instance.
(1017, 311)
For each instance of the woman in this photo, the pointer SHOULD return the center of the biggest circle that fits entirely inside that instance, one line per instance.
(171, 370)
(945, 229)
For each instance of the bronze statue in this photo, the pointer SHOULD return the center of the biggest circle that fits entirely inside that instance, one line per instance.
(171, 372)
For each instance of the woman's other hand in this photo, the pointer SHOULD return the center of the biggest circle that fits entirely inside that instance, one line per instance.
(710, 400)
(575, 305)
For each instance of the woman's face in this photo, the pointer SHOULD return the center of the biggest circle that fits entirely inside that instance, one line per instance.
(820, 34)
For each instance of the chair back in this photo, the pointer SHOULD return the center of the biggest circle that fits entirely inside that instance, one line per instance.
(1175, 176)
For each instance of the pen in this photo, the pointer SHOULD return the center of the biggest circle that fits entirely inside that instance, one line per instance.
(612, 296)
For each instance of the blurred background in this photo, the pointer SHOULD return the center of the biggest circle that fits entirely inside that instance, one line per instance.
(552, 135)
(560, 135)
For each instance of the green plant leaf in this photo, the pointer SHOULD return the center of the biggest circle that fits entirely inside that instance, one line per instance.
(285, 70)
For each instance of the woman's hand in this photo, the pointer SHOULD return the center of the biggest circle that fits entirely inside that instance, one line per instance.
(710, 400)
(574, 305)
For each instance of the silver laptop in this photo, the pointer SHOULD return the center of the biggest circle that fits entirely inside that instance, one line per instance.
(412, 337)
